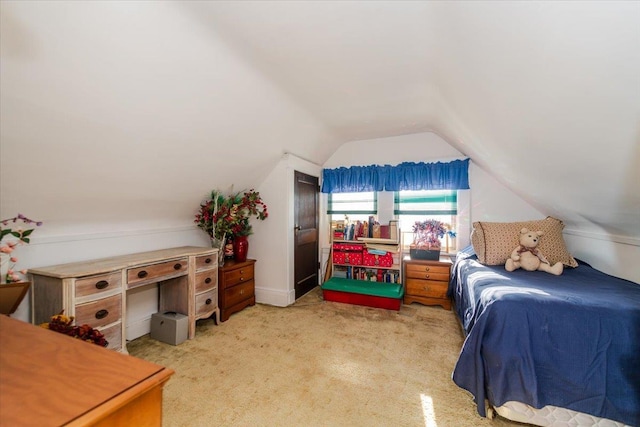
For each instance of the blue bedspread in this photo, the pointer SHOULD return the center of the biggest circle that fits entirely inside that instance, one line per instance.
(571, 341)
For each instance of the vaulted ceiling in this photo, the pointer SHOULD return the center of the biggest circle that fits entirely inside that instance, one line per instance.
(148, 105)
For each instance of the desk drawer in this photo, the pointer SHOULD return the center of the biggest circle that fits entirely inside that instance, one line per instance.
(238, 293)
(99, 313)
(206, 280)
(157, 272)
(206, 261)
(95, 285)
(206, 302)
(238, 275)
(113, 335)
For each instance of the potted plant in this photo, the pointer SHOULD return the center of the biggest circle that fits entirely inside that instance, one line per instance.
(225, 217)
(426, 239)
(13, 286)
(10, 238)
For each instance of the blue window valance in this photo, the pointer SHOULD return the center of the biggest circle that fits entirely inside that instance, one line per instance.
(405, 176)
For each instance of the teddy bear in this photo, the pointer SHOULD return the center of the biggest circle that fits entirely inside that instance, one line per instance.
(528, 257)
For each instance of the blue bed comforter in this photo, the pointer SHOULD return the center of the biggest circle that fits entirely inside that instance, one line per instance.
(571, 341)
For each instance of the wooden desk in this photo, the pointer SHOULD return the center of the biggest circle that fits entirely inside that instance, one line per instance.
(50, 379)
(95, 291)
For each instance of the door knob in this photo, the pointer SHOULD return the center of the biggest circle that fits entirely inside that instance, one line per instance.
(297, 228)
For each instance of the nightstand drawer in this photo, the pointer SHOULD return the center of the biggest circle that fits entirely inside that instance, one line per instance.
(427, 275)
(96, 285)
(206, 261)
(419, 270)
(206, 280)
(206, 302)
(238, 293)
(157, 272)
(99, 313)
(238, 275)
(426, 288)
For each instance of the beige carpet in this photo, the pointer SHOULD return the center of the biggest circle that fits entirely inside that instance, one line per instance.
(317, 363)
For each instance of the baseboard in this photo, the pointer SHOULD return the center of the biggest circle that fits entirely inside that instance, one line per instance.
(138, 328)
(273, 297)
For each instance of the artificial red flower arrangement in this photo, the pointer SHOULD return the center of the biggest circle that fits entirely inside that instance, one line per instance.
(222, 216)
(64, 325)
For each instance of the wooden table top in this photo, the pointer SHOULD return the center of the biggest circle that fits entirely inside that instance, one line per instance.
(47, 378)
(119, 262)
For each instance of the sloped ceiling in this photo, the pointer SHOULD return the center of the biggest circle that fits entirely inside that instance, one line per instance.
(148, 105)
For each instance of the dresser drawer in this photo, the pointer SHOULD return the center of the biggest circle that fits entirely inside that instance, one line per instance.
(113, 335)
(426, 288)
(238, 275)
(206, 302)
(238, 293)
(206, 261)
(99, 313)
(95, 285)
(206, 280)
(156, 272)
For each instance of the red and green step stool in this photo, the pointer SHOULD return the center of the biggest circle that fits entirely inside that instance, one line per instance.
(371, 294)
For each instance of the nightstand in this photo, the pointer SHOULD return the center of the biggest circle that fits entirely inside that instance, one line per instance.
(236, 287)
(427, 282)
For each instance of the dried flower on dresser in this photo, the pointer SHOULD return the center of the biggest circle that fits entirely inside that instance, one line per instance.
(64, 324)
(429, 232)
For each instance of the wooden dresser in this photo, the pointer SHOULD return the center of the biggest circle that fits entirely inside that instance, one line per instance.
(426, 282)
(95, 291)
(50, 379)
(236, 286)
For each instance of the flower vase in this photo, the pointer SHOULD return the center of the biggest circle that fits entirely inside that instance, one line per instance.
(240, 248)
(4, 267)
(219, 245)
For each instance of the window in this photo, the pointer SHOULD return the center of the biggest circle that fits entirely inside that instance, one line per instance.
(357, 206)
(412, 206)
(405, 206)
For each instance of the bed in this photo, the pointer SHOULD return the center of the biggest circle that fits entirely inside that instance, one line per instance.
(534, 340)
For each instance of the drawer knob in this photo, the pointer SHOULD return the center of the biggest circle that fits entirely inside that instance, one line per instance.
(177, 266)
(207, 261)
(207, 280)
(142, 274)
(426, 269)
(426, 276)
(241, 291)
(102, 284)
(208, 301)
(101, 314)
(241, 279)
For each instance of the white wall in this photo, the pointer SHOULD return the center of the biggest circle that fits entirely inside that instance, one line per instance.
(490, 199)
(273, 241)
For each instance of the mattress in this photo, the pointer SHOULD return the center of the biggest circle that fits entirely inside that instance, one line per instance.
(551, 416)
(550, 341)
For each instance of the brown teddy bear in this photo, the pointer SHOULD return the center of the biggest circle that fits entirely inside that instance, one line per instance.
(528, 257)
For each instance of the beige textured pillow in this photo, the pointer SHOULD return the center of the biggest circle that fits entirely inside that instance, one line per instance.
(493, 242)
